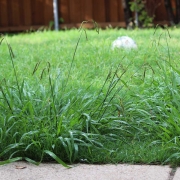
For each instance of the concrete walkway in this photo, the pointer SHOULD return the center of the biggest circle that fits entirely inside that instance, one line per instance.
(26, 171)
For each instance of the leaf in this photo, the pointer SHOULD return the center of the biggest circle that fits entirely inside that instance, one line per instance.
(76, 149)
(32, 161)
(21, 167)
(10, 160)
(56, 158)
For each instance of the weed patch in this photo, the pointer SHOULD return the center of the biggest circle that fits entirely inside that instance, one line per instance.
(91, 105)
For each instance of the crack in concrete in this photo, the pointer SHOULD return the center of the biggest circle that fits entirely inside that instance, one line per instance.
(172, 173)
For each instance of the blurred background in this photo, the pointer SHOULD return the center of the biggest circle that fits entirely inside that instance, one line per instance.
(22, 15)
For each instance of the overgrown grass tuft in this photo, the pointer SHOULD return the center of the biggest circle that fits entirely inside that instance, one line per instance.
(72, 100)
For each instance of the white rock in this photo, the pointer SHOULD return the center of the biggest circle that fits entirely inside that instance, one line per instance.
(124, 42)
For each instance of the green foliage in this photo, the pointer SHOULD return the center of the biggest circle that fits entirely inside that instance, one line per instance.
(92, 104)
(143, 17)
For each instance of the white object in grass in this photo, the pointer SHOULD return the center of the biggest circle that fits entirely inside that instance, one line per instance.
(124, 42)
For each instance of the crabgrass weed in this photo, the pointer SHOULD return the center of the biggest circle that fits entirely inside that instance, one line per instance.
(82, 102)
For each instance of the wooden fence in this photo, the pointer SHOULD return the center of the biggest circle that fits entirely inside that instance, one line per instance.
(20, 15)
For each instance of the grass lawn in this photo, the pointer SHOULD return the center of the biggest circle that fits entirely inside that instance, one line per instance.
(90, 104)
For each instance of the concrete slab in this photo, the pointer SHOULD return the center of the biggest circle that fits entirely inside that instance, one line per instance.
(177, 174)
(26, 171)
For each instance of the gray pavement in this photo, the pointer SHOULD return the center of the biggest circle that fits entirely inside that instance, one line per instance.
(177, 174)
(27, 171)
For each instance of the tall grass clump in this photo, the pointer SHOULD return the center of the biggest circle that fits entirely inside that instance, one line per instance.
(169, 132)
(155, 106)
(128, 112)
(46, 120)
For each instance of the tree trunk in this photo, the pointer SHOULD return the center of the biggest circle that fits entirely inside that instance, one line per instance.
(169, 11)
(127, 11)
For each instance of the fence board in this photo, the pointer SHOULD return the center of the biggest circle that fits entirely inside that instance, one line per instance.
(17, 15)
(21, 12)
(27, 10)
(48, 12)
(107, 10)
(160, 13)
(99, 11)
(120, 11)
(33, 11)
(37, 7)
(112, 11)
(86, 9)
(75, 11)
(15, 12)
(3, 13)
(64, 10)
(9, 13)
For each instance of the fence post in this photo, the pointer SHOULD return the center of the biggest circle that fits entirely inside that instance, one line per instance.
(56, 19)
